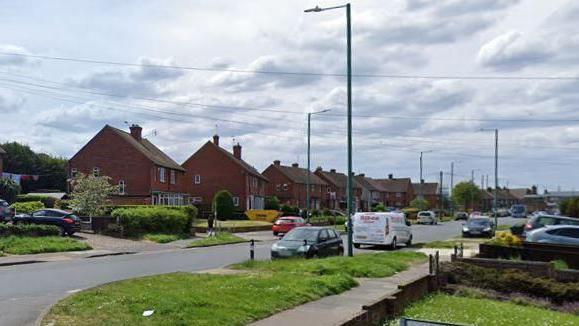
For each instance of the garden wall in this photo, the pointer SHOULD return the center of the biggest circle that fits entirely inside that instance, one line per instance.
(533, 252)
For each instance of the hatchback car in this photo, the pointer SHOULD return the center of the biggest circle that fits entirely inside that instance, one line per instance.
(67, 222)
(539, 221)
(556, 234)
(478, 226)
(309, 242)
(287, 223)
(461, 216)
(427, 217)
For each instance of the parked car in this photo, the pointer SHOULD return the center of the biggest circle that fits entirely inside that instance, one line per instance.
(474, 214)
(555, 234)
(478, 226)
(5, 211)
(427, 217)
(309, 242)
(460, 216)
(539, 221)
(503, 212)
(67, 222)
(380, 228)
(287, 223)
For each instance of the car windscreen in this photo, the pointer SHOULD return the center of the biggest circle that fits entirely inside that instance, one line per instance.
(424, 214)
(478, 222)
(299, 234)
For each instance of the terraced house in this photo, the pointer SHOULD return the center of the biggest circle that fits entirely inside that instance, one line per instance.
(336, 196)
(143, 173)
(397, 192)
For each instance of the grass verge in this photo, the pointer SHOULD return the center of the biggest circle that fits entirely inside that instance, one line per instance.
(221, 238)
(471, 311)
(35, 245)
(162, 238)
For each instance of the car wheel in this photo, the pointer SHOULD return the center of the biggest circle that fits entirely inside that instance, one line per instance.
(62, 232)
(275, 233)
(357, 245)
(341, 252)
(393, 245)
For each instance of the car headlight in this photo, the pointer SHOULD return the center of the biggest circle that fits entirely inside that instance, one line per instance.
(464, 229)
(275, 247)
(488, 228)
(304, 248)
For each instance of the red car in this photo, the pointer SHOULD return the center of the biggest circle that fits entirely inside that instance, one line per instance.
(287, 223)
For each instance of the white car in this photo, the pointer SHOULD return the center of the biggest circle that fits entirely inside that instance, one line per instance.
(427, 217)
(380, 228)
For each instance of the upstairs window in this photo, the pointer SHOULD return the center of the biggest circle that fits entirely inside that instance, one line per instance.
(122, 187)
(173, 177)
(162, 175)
(285, 187)
(398, 195)
(197, 179)
(96, 171)
(73, 172)
(278, 187)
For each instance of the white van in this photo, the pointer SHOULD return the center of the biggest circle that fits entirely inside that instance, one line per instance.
(378, 228)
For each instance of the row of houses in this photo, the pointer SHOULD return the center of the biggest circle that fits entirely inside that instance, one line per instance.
(146, 175)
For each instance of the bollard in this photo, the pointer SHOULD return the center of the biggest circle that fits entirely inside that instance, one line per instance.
(461, 250)
(430, 264)
(437, 256)
(252, 249)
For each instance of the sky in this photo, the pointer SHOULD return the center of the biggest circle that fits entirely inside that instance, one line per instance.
(56, 106)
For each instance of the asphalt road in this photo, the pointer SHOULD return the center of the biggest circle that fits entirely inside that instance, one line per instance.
(27, 290)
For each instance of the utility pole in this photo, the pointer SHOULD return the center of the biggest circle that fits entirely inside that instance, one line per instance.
(472, 175)
(441, 202)
(496, 175)
(451, 188)
(420, 193)
(482, 181)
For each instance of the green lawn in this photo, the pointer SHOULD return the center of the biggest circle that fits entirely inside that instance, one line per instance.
(231, 224)
(162, 238)
(470, 311)
(220, 239)
(503, 227)
(17, 245)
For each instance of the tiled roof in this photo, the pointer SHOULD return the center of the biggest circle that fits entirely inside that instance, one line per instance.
(366, 183)
(299, 175)
(428, 188)
(338, 179)
(520, 193)
(151, 151)
(395, 185)
(248, 168)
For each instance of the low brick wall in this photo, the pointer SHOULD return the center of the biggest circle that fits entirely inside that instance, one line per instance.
(203, 229)
(532, 252)
(393, 305)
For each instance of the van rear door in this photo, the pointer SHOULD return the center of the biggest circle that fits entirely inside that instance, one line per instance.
(370, 228)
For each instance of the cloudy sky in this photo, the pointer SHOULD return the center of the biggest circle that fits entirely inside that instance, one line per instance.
(56, 106)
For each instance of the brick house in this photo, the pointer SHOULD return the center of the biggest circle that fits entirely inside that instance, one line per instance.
(429, 191)
(2, 153)
(336, 196)
(144, 174)
(372, 192)
(212, 168)
(288, 183)
(397, 192)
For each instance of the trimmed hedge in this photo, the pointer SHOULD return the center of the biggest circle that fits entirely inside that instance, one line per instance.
(63, 204)
(27, 207)
(48, 201)
(155, 219)
(28, 230)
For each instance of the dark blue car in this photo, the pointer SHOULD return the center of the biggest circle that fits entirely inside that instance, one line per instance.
(67, 222)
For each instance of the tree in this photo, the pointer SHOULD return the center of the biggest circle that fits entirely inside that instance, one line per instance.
(223, 205)
(90, 194)
(9, 190)
(572, 208)
(272, 202)
(466, 193)
(379, 208)
(421, 204)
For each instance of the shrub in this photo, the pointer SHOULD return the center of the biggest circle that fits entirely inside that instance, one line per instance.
(152, 219)
(9, 189)
(379, 208)
(505, 238)
(223, 205)
(27, 207)
(421, 204)
(518, 228)
(272, 202)
(288, 210)
(46, 200)
(28, 230)
(63, 204)
(411, 213)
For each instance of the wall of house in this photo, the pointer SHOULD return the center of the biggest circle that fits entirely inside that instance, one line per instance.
(286, 192)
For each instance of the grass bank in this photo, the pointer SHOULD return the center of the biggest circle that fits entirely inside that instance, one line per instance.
(17, 245)
(162, 238)
(221, 238)
(471, 311)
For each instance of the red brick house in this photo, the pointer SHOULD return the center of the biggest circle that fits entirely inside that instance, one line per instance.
(429, 191)
(2, 153)
(289, 184)
(212, 168)
(397, 192)
(144, 174)
(372, 192)
(336, 196)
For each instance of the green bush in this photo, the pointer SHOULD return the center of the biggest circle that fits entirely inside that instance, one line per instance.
(28, 230)
(223, 205)
(379, 208)
(63, 204)
(288, 210)
(510, 280)
(410, 212)
(272, 202)
(153, 219)
(9, 189)
(27, 207)
(48, 201)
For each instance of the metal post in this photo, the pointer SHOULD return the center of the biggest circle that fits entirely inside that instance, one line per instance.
(441, 202)
(308, 174)
(451, 188)
(252, 249)
(420, 181)
(350, 185)
(496, 175)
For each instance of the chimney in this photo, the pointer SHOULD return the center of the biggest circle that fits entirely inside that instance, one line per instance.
(362, 175)
(277, 162)
(295, 165)
(390, 176)
(216, 139)
(333, 171)
(237, 151)
(319, 168)
(136, 131)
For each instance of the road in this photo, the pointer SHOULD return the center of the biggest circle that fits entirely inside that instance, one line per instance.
(28, 290)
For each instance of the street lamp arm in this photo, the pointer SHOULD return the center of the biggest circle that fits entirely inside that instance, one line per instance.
(318, 9)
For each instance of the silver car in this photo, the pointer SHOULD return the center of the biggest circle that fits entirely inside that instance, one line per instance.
(556, 234)
(427, 217)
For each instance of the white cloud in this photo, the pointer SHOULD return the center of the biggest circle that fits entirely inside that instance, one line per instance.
(15, 60)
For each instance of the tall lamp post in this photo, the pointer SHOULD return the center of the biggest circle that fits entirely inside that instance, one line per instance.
(349, 71)
(496, 192)
(308, 190)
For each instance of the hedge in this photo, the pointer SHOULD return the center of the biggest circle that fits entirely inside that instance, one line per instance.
(27, 207)
(155, 219)
(63, 204)
(28, 230)
(46, 200)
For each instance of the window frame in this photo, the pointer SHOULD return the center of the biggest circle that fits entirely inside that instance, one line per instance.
(173, 177)
(122, 187)
(162, 175)
(235, 201)
(96, 171)
(197, 179)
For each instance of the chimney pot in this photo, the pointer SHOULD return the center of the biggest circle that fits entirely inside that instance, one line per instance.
(362, 175)
(216, 139)
(277, 162)
(390, 176)
(136, 131)
(295, 165)
(237, 151)
(333, 170)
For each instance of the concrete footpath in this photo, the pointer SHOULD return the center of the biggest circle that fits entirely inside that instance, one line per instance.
(336, 309)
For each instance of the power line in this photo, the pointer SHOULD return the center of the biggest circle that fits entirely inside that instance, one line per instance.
(290, 73)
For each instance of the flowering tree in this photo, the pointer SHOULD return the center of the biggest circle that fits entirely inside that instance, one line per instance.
(90, 194)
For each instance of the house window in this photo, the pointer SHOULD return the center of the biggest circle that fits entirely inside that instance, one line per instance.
(73, 172)
(197, 179)
(122, 186)
(398, 195)
(329, 189)
(96, 171)
(235, 201)
(278, 187)
(162, 175)
(196, 200)
(285, 187)
(173, 177)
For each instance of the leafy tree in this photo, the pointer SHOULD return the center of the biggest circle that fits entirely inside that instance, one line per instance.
(421, 204)
(272, 202)
(466, 193)
(223, 205)
(379, 208)
(9, 190)
(90, 194)
(565, 204)
(572, 208)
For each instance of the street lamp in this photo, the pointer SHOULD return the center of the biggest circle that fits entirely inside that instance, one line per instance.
(308, 174)
(496, 173)
(349, 88)
(420, 194)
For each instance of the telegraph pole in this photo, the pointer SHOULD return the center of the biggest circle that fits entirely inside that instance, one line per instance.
(441, 202)
(451, 187)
